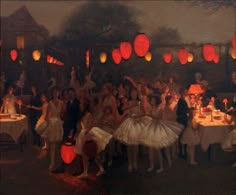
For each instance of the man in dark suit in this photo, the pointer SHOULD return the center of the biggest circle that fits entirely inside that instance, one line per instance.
(73, 114)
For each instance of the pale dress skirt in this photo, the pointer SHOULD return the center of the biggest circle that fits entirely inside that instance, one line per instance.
(41, 127)
(100, 137)
(130, 130)
(190, 137)
(229, 143)
(54, 130)
(161, 134)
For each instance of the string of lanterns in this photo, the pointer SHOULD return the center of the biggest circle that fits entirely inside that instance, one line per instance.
(141, 46)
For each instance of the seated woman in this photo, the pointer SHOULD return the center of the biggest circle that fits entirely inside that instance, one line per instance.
(9, 101)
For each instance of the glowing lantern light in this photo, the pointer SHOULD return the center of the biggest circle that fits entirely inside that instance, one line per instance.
(234, 42)
(209, 52)
(125, 50)
(141, 45)
(116, 56)
(233, 53)
(216, 58)
(167, 57)
(148, 56)
(190, 57)
(67, 152)
(183, 56)
(87, 57)
(14, 54)
(103, 57)
(36, 55)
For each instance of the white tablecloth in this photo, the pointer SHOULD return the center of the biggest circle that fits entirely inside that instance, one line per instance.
(14, 127)
(212, 132)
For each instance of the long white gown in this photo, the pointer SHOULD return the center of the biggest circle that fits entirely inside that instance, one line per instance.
(41, 125)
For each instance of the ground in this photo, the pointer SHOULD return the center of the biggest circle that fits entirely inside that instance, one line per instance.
(25, 173)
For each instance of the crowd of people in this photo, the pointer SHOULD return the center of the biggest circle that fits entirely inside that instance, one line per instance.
(157, 115)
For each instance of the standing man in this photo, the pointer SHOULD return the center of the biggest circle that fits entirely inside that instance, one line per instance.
(73, 114)
(34, 114)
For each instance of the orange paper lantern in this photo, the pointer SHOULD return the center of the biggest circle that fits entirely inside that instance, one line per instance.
(148, 56)
(68, 153)
(233, 53)
(116, 56)
(167, 57)
(141, 45)
(36, 55)
(14, 54)
(103, 57)
(190, 57)
(125, 50)
(183, 56)
(87, 58)
(209, 52)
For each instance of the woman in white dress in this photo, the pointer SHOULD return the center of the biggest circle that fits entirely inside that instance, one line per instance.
(55, 129)
(130, 129)
(160, 134)
(9, 102)
(41, 125)
(90, 133)
(191, 137)
(89, 84)
(229, 143)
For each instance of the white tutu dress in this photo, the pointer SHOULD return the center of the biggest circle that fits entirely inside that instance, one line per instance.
(160, 133)
(130, 129)
(229, 143)
(54, 131)
(190, 136)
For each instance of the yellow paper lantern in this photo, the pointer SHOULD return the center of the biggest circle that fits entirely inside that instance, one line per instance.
(103, 57)
(190, 57)
(36, 55)
(148, 56)
(233, 53)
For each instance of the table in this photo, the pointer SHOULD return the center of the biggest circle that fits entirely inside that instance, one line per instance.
(16, 128)
(212, 132)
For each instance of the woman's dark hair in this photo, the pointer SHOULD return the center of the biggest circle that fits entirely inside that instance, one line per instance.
(45, 94)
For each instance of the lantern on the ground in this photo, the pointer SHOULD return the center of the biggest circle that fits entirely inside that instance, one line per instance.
(190, 57)
(125, 50)
(209, 52)
(234, 42)
(116, 56)
(14, 54)
(67, 152)
(233, 53)
(90, 149)
(103, 57)
(141, 45)
(148, 56)
(216, 58)
(36, 55)
(167, 57)
(183, 56)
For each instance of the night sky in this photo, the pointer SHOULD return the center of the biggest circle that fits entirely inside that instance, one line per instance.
(195, 24)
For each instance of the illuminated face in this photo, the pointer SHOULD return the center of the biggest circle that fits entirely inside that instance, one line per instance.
(10, 91)
(134, 94)
(43, 98)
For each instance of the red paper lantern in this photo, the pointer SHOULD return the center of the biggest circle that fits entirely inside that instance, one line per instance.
(209, 52)
(183, 56)
(125, 50)
(90, 149)
(234, 42)
(116, 56)
(216, 58)
(141, 45)
(167, 57)
(14, 54)
(68, 152)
